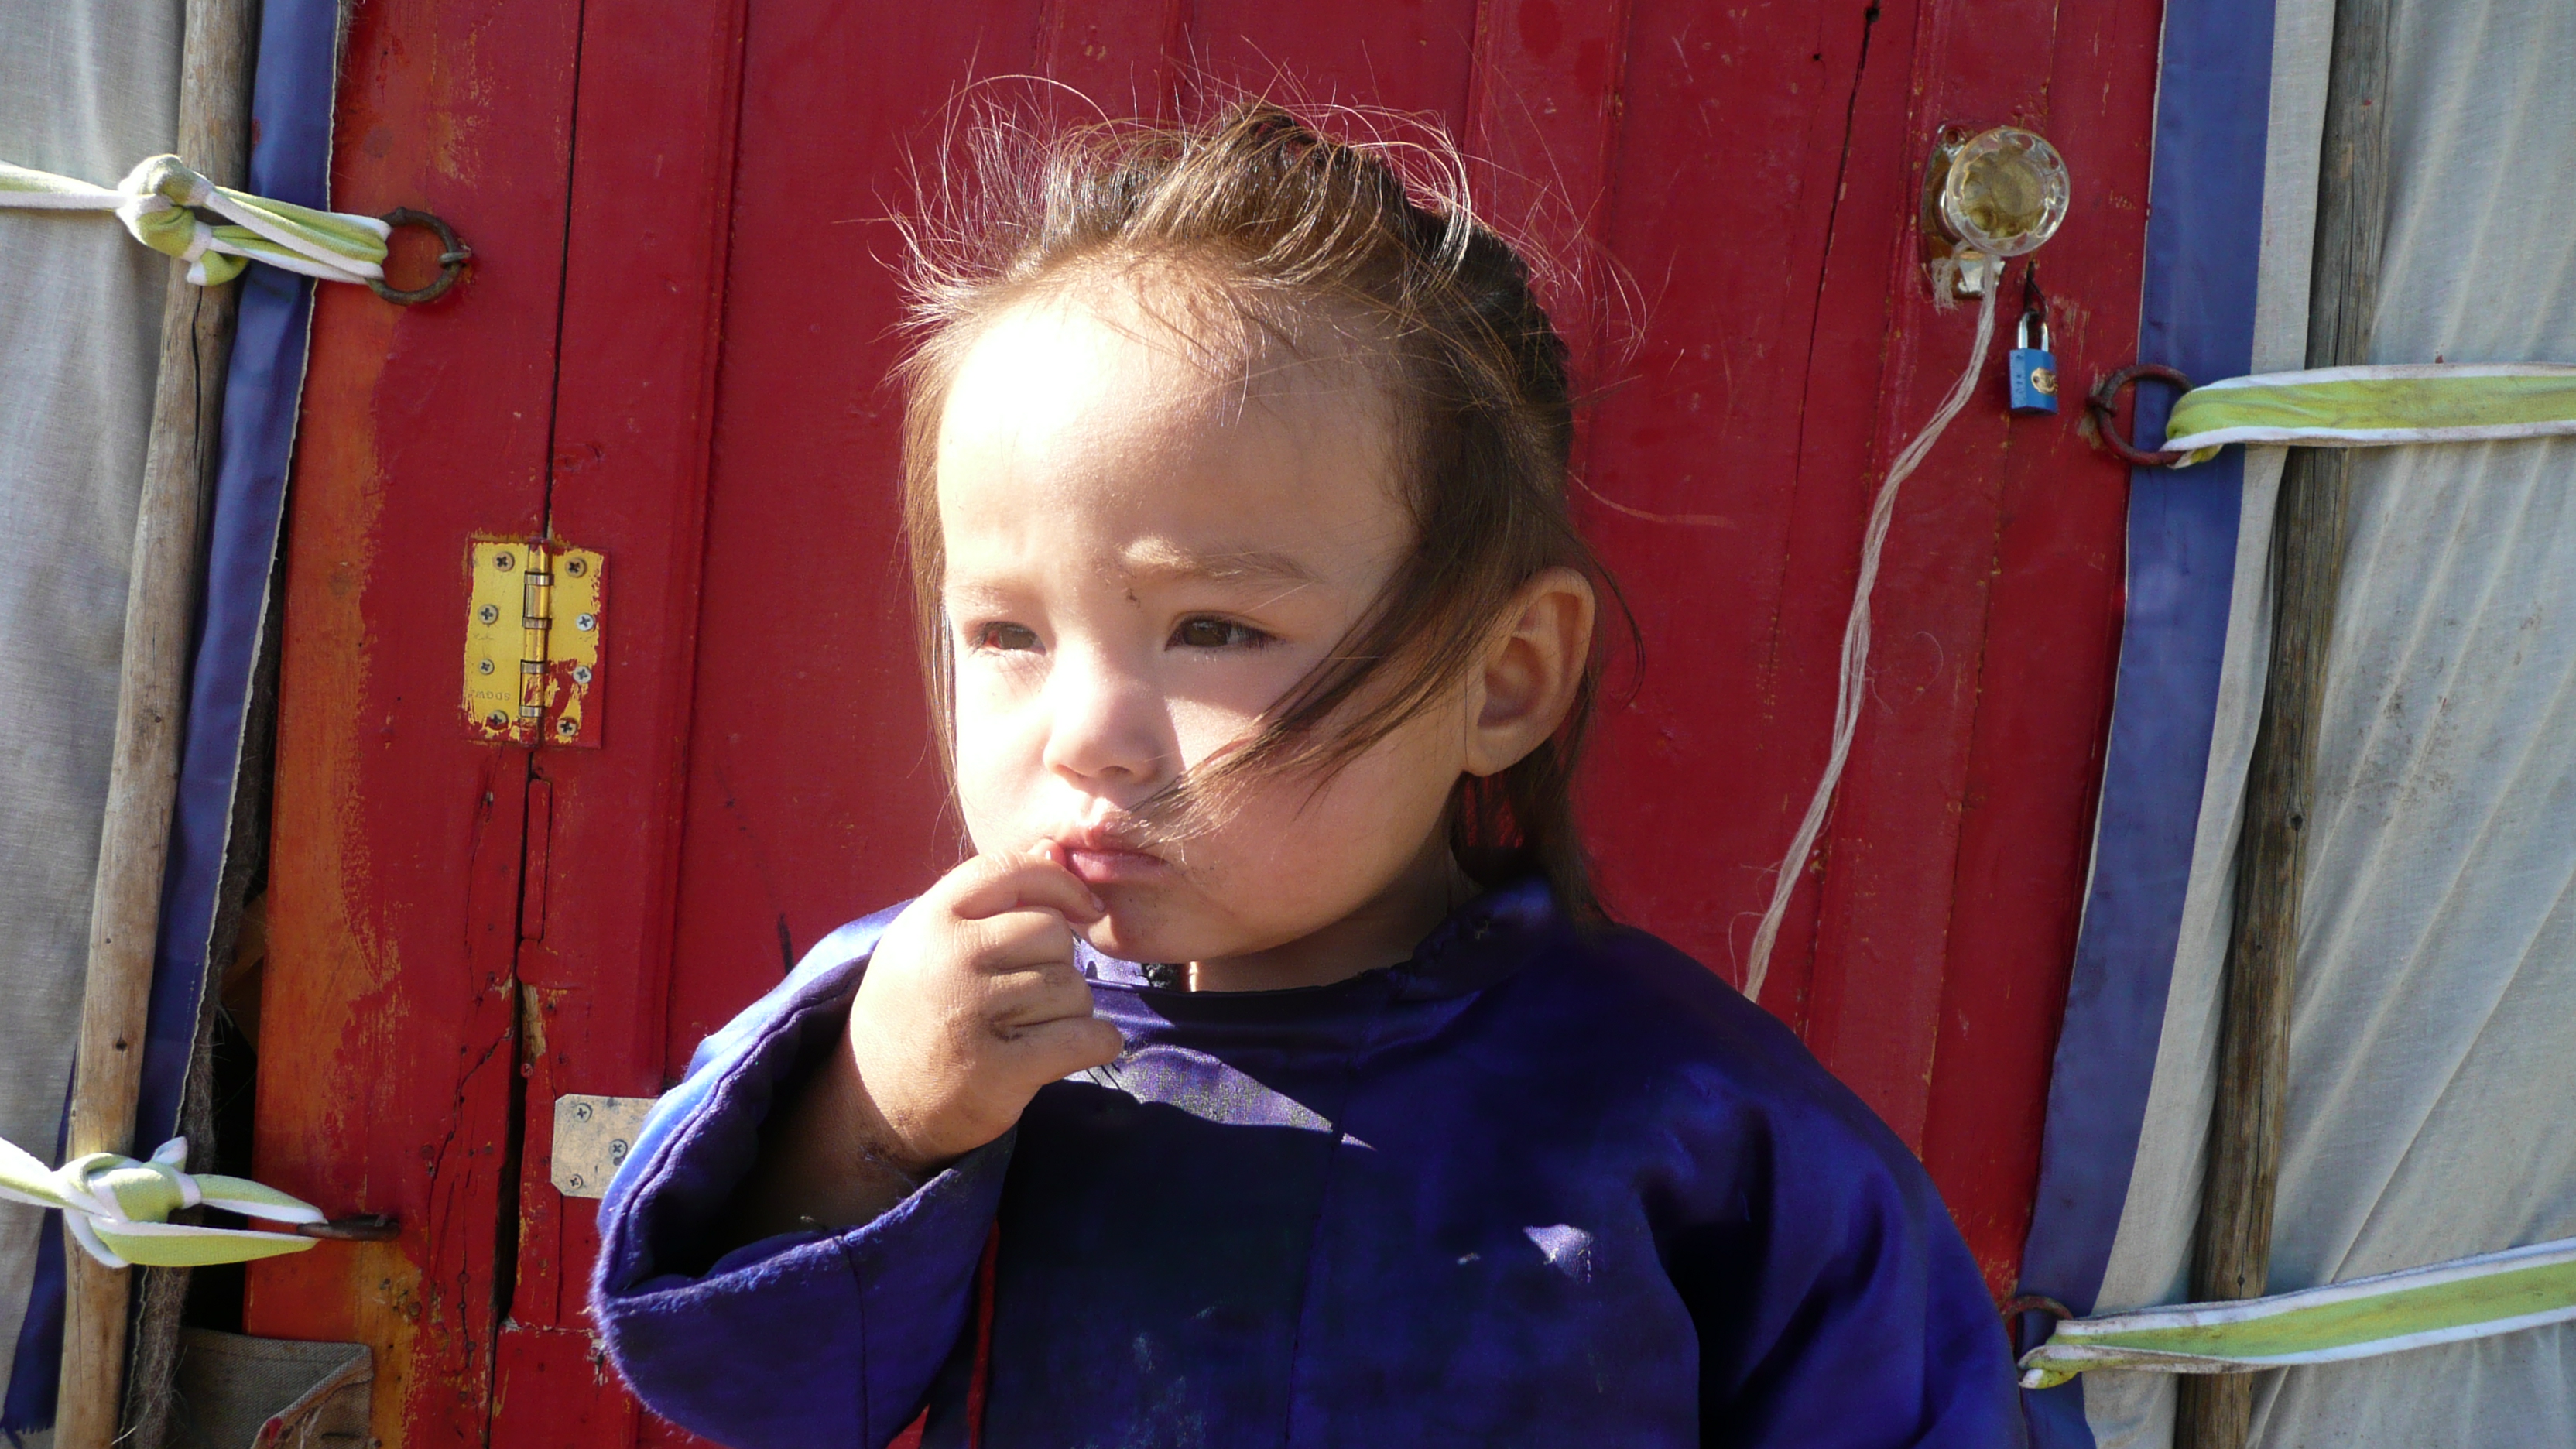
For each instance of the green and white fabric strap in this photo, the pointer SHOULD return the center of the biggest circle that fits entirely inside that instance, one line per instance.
(2369, 407)
(119, 1209)
(2469, 1298)
(158, 202)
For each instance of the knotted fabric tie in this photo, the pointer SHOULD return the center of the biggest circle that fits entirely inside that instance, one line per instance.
(119, 1209)
(158, 202)
(2466, 1298)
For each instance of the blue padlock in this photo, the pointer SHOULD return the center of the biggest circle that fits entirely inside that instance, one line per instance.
(2032, 369)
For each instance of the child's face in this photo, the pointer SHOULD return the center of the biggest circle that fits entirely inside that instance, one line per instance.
(1142, 558)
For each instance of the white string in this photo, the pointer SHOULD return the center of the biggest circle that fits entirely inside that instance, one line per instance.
(1855, 663)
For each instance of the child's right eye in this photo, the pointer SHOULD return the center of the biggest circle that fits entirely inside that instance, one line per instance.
(1011, 638)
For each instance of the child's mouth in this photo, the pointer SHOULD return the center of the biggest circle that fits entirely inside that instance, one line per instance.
(1101, 858)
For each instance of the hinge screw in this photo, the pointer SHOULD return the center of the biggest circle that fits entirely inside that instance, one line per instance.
(576, 567)
(497, 720)
(489, 614)
(580, 674)
(503, 561)
(566, 728)
(483, 667)
(586, 623)
(581, 1111)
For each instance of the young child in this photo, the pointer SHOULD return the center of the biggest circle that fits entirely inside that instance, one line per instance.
(1269, 1077)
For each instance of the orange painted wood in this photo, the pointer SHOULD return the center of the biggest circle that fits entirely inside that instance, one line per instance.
(389, 1065)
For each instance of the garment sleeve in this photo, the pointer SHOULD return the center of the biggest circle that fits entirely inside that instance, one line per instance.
(814, 1337)
(1836, 1305)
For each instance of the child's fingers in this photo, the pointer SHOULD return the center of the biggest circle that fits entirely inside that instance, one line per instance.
(1023, 1000)
(1020, 940)
(1056, 1049)
(1021, 880)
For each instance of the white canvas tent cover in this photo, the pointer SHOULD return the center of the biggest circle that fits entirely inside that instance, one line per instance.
(87, 88)
(2433, 1038)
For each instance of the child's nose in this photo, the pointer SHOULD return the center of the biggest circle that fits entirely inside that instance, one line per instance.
(1106, 725)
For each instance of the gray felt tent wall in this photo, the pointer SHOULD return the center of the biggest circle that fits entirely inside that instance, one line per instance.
(87, 88)
(92, 88)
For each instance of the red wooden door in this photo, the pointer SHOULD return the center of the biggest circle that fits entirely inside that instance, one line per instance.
(671, 351)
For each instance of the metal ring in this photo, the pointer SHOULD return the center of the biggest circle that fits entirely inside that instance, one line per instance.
(452, 257)
(2030, 1303)
(2106, 395)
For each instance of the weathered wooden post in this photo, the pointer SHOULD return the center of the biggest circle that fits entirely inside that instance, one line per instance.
(2233, 1252)
(125, 907)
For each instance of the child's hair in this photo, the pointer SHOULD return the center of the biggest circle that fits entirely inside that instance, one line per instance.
(1297, 234)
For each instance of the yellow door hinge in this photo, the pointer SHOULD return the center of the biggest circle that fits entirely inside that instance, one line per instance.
(533, 621)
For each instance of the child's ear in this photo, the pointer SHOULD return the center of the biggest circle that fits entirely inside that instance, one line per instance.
(1531, 672)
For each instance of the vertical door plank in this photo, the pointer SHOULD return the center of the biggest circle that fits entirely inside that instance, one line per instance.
(1722, 210)
(557, 1389)
(652, 178)
(388, 1068)
(1884, 953)
(813, 795)
(2051, 643)
(1869, 1007)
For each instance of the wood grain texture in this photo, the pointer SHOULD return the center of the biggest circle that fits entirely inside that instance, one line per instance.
(1789, 345)
(389, 1067)
(143, 771)
(2233, 1251)
(2050, 638)
(627, 461)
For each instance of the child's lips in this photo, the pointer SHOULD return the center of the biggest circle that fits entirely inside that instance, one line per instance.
(1100, 858)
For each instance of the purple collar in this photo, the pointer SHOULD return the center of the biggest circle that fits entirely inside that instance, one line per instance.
(1481, 942)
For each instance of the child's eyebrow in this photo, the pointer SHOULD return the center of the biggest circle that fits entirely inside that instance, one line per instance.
(1159, 561)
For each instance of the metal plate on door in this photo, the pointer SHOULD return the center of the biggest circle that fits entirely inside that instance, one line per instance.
(592, 1135)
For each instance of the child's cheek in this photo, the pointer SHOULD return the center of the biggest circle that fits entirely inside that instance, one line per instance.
(1205, 731)
(996, 773)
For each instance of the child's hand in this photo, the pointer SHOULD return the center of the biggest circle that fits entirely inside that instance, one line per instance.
(970, 1004)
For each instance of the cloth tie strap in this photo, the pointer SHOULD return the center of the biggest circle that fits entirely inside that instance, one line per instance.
(158, 202)
(2368, 407)
(119, 1209)
(2468, 1298)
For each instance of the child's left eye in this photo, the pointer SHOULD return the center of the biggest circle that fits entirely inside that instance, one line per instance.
(1210, 633)
(1005, 638)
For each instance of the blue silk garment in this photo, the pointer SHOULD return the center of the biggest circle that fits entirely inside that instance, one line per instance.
(1541, 1184)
